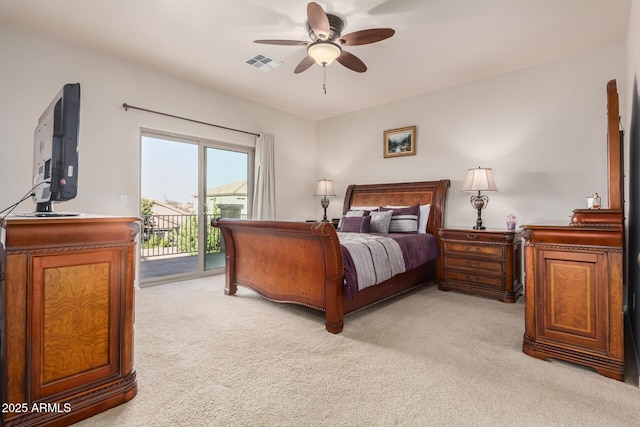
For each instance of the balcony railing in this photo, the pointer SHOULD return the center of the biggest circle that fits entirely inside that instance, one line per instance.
(164, 235)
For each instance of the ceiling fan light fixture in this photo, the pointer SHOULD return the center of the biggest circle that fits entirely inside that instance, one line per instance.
(324, 52)
(325, 33)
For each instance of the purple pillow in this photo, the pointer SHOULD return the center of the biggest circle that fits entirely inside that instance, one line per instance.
(350, 213)
(356, 224)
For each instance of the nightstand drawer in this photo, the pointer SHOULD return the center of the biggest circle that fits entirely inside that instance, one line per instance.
(478, 279)
(469, 236)
(477, 265)
(454, 248)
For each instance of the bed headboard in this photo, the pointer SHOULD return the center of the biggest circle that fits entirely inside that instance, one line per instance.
(402, 194)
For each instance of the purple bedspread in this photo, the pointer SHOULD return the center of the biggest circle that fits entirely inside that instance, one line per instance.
(417, 249)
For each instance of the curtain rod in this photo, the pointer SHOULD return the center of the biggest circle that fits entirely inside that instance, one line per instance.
(127, 106)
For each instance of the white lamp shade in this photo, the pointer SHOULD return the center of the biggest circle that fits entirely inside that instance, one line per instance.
(324, 52)
(479, 179)
(325, 188)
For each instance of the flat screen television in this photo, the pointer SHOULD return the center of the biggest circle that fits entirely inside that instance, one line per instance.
(55, 152)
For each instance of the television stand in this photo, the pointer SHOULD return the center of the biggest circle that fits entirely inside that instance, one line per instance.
(66, 318)
(48, 214)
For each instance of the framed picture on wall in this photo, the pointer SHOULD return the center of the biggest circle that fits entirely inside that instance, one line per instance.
(400, 142)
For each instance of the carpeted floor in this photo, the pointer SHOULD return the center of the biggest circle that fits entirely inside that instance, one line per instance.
(426, 358)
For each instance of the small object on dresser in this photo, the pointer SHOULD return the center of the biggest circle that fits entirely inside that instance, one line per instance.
(511, 222)
(593, 202)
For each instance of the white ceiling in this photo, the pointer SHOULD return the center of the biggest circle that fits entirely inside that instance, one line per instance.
(438, 43)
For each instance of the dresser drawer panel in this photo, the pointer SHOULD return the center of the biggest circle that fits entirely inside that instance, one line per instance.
(494, 251)
(461, 276)
(477, 265)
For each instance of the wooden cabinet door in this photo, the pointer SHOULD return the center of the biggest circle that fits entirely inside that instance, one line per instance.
(572, 304)
(75, 307)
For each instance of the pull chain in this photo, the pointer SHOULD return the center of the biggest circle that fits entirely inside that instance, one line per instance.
(324, 77)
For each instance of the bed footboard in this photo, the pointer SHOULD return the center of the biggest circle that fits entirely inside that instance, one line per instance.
(292, 262)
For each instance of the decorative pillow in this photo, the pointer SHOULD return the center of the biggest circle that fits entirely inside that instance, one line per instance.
(356, 224)
(352, 213)
(423, 219)
(404, 220)
(380, 221)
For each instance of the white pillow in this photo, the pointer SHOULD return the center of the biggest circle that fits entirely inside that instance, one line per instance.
(355, 212)
(364, 208)
(424, 216)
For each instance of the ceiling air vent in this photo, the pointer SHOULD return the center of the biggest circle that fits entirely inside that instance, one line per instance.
(263, 63)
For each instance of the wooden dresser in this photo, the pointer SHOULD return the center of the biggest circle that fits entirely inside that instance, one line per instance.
(574, 276)
(482, 262)
(573, 295)
(67, 317)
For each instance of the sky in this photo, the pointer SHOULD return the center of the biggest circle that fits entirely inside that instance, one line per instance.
(170, 169)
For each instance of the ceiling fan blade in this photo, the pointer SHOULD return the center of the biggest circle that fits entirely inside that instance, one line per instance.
(306, 62)
(318, 20)
(351, 61)
(372, 35)
(283, 42)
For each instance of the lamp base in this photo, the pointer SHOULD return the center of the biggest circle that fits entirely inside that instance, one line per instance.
(325, 204)
(479, 202)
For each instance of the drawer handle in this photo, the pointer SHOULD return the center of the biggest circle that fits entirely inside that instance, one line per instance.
(473, 264)
(472, 236)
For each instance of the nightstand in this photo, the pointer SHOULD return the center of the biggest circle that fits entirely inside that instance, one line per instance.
(482, 262)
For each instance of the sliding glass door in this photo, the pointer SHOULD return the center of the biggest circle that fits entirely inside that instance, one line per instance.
(185, 183)
(226, 196)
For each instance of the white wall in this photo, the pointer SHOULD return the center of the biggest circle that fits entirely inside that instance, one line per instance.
(542, 130)
(633, 54)
(32, 71)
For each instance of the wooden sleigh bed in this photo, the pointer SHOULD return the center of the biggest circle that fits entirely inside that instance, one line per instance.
(302, 263)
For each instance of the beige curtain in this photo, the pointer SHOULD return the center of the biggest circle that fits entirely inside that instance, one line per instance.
(264, 192)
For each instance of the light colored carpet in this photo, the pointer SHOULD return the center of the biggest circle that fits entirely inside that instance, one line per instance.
(423, 359)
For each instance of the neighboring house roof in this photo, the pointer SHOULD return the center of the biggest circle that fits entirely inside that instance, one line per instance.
(160, 208)
(238, 188)
(167, 217)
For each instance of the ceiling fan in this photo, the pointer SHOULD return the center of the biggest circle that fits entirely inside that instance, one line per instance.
(325, 32)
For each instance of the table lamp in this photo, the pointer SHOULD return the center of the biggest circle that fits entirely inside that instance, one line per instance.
(324, 188)
(479, 179)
